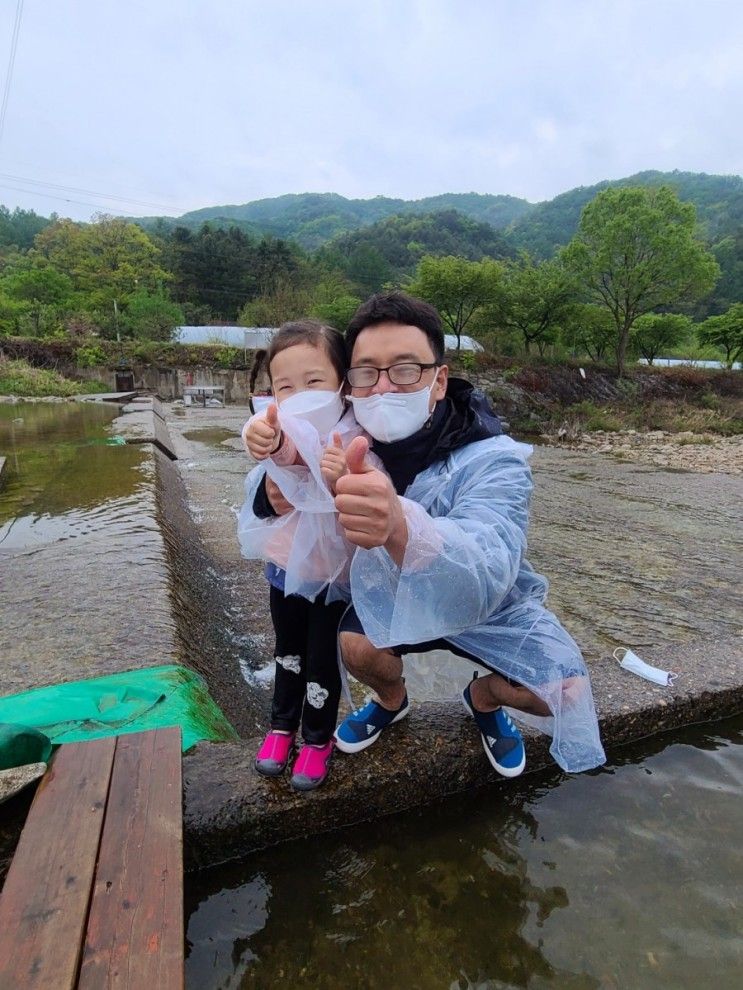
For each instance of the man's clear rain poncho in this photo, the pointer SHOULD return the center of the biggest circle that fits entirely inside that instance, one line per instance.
(465, 578)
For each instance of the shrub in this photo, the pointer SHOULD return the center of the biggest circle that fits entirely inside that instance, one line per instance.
(90, 356)
(593, 418)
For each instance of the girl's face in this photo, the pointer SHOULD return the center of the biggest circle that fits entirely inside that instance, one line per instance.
(302, 367)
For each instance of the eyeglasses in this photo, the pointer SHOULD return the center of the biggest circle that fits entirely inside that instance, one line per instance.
(409, 373)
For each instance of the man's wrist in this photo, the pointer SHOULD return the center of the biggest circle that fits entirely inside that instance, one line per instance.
(397, 542)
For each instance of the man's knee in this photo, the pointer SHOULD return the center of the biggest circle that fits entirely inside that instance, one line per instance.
(356, 650)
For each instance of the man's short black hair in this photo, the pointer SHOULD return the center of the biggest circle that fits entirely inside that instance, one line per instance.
(398, 307)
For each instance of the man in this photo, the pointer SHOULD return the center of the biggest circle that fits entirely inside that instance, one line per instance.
(442, 540)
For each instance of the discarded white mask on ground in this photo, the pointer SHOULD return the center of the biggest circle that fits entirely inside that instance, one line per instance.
(630, 661)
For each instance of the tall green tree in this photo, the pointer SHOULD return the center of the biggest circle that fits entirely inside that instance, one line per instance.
(533, 300)
(151, 316)
(106, 261)
(726, 332)
(41, 291)
(654, 333)
(635, 252)
(457, 288)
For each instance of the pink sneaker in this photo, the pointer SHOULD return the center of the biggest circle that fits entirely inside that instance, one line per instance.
(273, 756)
(311, 766)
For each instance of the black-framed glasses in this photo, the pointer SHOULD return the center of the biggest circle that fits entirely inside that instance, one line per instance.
(405, 373)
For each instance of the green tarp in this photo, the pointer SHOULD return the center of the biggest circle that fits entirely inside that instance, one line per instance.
(133, 701)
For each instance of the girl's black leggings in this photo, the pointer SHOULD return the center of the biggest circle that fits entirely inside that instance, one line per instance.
(308, 683)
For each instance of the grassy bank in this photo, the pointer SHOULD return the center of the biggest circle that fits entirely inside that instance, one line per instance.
(20, 378)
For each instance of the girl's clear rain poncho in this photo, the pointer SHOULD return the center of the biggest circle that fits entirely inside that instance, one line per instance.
(307, 543)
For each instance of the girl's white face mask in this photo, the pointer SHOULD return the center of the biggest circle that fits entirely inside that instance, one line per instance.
(319, 407)
(631, 661)
(393, 415)
(260, 403)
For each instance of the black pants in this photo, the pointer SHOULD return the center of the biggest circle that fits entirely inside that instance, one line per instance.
(308, 683)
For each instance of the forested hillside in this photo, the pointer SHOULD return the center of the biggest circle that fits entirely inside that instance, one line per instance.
(550, 225)
(277, 259)
(312, 219)
(391, 248)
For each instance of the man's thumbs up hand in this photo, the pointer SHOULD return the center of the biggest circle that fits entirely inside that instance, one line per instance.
(368, 507)
(358, 448)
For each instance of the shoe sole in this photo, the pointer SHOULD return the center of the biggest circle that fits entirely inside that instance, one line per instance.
(503, 771)
(306, 784)
(271, 773)
(346, 747)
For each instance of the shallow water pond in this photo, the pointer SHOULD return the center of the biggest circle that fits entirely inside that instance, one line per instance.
(625, 878)
(63, 466)
(75, 545)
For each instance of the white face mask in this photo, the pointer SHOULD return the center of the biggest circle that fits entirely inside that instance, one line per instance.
(631, 661)
(317, 406)
(393, 415)
(260, 403)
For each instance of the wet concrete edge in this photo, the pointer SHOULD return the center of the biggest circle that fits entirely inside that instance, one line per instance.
(230, 811)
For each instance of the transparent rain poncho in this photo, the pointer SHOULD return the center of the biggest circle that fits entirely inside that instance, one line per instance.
(465, 578)
(308, 543)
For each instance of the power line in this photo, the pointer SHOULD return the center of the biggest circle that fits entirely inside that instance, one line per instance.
(86, 192)
(64, 199)
(11, 63)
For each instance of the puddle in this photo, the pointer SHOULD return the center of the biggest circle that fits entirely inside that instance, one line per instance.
(212, 437)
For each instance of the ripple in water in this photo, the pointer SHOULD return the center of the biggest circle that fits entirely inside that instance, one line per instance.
(627, 877)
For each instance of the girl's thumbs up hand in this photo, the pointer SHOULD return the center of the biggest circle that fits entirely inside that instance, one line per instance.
(333, 464)
(262, 434)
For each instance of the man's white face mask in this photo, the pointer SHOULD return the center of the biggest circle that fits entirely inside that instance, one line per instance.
(393, 415)
(320, 407)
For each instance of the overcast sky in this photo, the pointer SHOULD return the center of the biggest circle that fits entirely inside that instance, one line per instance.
(179, 104)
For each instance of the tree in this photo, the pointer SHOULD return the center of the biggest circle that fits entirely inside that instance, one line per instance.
(457, 288)
(725, 331)
(285, 302)
(333, 302)
(107, 260)
(152, 316)
(635, 252)
(589, 329)
(656, 332)
(41, 292)
(533, 300)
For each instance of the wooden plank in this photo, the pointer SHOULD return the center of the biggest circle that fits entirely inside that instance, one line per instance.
(135, 928)
(44, 903)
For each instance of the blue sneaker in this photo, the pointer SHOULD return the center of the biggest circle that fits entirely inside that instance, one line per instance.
(365, 725)
(501, 740)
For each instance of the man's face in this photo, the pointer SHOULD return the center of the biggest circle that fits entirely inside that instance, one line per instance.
(386, 344)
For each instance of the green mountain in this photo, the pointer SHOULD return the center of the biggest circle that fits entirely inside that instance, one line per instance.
(392, 247)
(312, 219)
(549, 225)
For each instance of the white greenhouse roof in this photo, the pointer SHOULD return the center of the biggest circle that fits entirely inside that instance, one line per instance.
(250, 337)
(254, 337)
(467, 343)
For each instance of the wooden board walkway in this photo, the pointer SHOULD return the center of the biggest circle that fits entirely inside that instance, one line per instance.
(94, 895)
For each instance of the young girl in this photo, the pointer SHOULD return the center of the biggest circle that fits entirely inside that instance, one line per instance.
(299, 440)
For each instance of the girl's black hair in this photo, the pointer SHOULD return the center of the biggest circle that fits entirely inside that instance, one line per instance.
(311, 332)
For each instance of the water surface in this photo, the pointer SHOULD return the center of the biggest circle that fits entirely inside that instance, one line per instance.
(625, 878)
(80, 549)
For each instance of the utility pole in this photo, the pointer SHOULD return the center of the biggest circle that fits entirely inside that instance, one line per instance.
(116, 322)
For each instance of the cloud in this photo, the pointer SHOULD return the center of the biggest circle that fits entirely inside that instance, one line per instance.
(185, 104)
